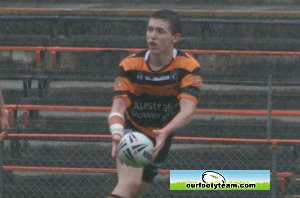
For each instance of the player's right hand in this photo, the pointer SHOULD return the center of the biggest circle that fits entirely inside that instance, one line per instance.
(4, 121)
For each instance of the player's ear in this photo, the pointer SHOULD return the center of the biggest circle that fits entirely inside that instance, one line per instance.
(176, 37)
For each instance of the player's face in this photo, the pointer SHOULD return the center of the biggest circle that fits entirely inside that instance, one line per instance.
(159, 36)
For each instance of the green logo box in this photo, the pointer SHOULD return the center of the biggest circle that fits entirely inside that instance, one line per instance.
(220, 180)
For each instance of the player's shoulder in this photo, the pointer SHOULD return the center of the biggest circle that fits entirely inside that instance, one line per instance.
(132, 61)
(186, 61)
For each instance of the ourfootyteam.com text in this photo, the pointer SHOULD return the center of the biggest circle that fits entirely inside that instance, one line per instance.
(219, 185)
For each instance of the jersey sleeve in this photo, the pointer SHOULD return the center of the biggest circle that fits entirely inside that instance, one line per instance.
(191, 84)
(122, 86)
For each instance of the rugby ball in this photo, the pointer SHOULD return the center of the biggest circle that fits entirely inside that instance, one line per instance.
(135, 149)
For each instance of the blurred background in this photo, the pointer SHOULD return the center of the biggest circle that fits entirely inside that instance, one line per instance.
(57, 64)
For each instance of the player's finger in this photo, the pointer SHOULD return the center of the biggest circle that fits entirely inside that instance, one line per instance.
(156, 150)
(114, 149)
(115, 141)
(4, 127)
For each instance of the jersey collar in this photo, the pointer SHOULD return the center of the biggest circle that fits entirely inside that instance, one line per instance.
(147, 55)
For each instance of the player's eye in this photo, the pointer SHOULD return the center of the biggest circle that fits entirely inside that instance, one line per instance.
(160, 31)
(149, 29)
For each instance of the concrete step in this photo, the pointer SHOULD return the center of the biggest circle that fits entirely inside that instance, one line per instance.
(293, 187)
(61, 185)
(100, 93)
(297, 166)
(198, 33)
(97, 66)
(59, 23)
(151, 3)
(204, 126)
(200, 28)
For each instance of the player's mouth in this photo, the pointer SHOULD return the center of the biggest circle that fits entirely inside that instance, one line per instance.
(152, 44)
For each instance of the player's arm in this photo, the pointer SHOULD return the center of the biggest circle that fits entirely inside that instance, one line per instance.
(191, 84)
(1, 101)
(116, 117)
(3, 114)
(116, 121)
(187, 109)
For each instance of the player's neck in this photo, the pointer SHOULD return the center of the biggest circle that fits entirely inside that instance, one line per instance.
(159, 61)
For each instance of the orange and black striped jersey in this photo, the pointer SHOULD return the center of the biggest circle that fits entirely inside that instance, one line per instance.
(152, 97)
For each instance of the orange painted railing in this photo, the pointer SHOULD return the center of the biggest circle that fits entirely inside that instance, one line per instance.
(56, 49)
(53, 50)
(11, 108)
(36, 49)
(240, 112)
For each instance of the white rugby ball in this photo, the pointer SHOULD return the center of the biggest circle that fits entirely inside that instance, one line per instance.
(135, 149)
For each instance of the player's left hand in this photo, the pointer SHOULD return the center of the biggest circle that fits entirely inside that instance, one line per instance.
(160, 142)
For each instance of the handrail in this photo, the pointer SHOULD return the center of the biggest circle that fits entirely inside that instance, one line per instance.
(248, 112)
(54, 49)
(89, 49)
(204, 16)
(23, 48)
(243, 112)
(273, 141)
(93, 170)
(192, 51)
(49, 13)
(63, 108)
(240, 112)
(11, 108)
(37, 49)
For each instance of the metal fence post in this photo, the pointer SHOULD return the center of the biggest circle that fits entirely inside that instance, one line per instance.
(269, 103)
(269, 136)
(274, 171)
(1, 165)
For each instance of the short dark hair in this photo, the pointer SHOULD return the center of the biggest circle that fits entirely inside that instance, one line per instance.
(170, 16)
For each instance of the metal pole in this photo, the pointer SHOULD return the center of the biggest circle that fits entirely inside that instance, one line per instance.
(274, 145)
(274, 171)
(269, 103)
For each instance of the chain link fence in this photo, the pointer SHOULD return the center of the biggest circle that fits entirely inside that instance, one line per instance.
(45, 167)
(81, 167)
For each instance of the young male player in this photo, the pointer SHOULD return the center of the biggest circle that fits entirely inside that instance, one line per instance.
(156, 93)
